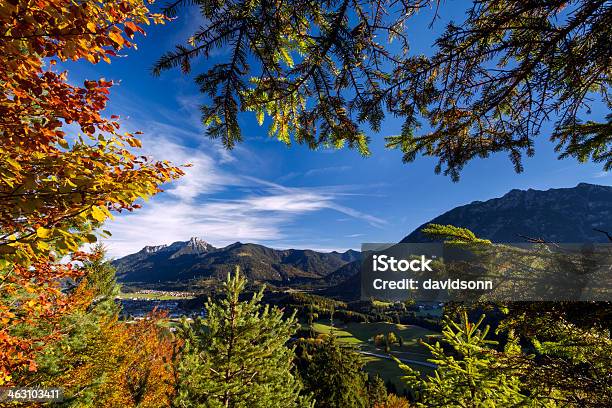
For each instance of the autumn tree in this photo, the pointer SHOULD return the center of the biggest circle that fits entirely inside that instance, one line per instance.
(56, 186)
(123, 365)
(393, 401)
(379, 340)
(322, 71)
(392, 338)
(386, 340)
(103, 361)
(237, 356)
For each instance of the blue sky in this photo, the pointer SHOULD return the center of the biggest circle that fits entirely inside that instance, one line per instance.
(268, 193)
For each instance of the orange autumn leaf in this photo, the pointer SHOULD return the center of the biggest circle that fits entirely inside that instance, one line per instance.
(116, 37)
(134, 359)
(51, 180)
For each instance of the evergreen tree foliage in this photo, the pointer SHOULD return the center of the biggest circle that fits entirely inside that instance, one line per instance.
(453, 235)
(569, 344)
(237, 356)
(572, 347)
(470, 375)
(321, 69)
(333, 372)
(377, 390)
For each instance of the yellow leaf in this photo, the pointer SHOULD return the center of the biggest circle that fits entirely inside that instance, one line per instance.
(13, 163)
(116, 37)
(134, 142)
(91, 58)
(43, 232)
(98, 214)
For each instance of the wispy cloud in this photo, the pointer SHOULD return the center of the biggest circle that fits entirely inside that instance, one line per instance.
(324, 170)
(601, 174)
(217, 203)
(313, 172)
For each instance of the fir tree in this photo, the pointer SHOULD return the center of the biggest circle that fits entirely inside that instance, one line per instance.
(377, 390)
(323, 70)
(334, 374)
(572, 347)
(570, 341)
(469, 376)
(311, 316)
(237, 356)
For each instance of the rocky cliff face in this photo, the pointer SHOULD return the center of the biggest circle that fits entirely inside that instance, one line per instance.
(195, 246)
(563, 215)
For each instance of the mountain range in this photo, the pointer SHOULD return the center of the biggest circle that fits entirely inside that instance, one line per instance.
(566, 215)
(196, 259)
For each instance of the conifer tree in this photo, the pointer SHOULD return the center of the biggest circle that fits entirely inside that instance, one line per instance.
(572, 346)
(469, 376)
(237, 356)
(334, 374)
(570, 341)
(323, 72)
(377, 390)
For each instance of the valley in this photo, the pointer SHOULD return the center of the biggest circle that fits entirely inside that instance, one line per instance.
(324, 288)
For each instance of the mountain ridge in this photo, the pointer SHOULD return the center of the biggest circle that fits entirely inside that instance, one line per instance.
(566, 215)
(561, 215)
(197, 259)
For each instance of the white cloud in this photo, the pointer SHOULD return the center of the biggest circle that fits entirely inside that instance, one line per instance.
(370, 219)
(195, 206)
(601, 174)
